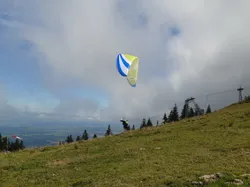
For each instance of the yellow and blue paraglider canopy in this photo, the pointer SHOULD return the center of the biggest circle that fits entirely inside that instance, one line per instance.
(127, 65)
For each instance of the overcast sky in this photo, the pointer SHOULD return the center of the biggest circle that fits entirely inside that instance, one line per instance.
(57, 57)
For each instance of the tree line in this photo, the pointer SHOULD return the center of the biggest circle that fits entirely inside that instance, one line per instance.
(173, 116)
(6, 145)
(84, 136)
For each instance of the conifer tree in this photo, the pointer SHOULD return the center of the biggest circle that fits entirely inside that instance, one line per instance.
(175, 113)
(16, 144)
(183, 111)
(78, 138)
(6, 143)
(170, 116)
(143, 124)
(208, 109)
(108, 132)
(165, 118)
(149, 123)
(95, 136)
(12, 147)
(69, 139)
(85, 135)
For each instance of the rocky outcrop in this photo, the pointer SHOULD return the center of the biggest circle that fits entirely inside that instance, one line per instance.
(236, 182)
(211, 178)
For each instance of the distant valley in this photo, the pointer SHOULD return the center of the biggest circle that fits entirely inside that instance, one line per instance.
(36, 136)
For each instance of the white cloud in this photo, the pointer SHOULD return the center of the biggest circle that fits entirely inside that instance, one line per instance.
(79, 40)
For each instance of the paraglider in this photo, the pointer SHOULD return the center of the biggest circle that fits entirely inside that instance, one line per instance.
(127, 65)
(17, 137)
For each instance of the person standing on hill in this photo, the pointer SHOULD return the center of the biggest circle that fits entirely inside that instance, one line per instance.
(125, 124)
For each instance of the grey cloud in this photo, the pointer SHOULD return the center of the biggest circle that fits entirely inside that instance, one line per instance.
(83, 107)
(9, 115)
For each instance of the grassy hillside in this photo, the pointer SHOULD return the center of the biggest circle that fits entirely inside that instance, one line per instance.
(166, 155)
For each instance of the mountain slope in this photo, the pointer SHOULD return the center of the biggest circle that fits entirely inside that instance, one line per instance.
(172, 153)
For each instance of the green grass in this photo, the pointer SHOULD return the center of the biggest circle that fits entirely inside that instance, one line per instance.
(168, 155)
